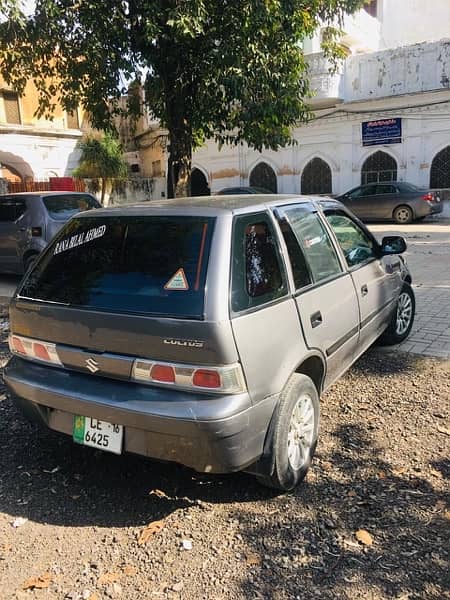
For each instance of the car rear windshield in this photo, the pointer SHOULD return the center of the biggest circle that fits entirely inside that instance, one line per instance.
(63, 206)
(138, 264)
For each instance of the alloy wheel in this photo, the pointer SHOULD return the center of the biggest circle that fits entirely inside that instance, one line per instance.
(404, 313)
(301, 432)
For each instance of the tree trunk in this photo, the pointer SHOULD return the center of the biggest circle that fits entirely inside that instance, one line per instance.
(103, 191)
(179, 161)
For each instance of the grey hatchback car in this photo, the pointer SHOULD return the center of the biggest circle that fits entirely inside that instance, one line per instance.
(29, 220)
(203, 330)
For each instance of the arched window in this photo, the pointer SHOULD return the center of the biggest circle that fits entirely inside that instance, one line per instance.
(199, 185)
(440, 169)
(316, 177)
(379, 167)
(264, 176)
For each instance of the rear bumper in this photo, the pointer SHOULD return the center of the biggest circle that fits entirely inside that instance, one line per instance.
(209, 433)
(436, 207)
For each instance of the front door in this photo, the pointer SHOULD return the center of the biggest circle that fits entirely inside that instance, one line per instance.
(374, 285)
(13, 233)
(325, 293)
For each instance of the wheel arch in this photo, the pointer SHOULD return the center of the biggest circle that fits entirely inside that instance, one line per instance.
(314, 367)
(411, 208)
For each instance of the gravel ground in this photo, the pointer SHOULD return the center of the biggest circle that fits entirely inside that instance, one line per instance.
(371, 521)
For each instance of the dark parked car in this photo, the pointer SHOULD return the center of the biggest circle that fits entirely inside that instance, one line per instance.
(243, 190)
(29, 220)
(397, 200)
(203, 330)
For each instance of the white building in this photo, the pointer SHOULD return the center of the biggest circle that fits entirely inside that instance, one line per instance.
(394, 85)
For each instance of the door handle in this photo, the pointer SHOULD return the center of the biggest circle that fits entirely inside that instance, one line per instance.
(22, 228)
(364, 290)
(316, 319)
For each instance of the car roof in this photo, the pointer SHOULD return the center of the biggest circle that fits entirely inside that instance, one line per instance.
(44, 193)
(207, 205)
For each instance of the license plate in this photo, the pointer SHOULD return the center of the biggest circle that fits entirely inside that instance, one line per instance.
(98, 434)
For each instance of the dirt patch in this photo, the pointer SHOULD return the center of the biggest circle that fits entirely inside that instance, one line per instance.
(372, 519)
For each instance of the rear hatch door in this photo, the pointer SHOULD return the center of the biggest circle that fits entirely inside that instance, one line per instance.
(117, 287)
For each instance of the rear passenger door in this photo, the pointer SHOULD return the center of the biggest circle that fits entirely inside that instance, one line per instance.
(263, 313)
(386, 199)
(375, 286)
(324, 292)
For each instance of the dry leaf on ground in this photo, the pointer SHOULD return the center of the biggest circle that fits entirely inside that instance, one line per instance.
(149, 531)
(41, 582)
(108, 578)
(364, 537)
(158, 494)
(253, 559)
(444, 430)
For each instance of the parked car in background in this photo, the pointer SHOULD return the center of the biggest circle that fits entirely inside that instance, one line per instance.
(394, 200)
(243, 190)
(29, 220)
(203, 331)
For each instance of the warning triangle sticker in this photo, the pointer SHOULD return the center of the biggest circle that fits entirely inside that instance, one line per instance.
(177, 281)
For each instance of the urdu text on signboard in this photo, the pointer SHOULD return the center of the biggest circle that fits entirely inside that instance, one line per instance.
(382, 131)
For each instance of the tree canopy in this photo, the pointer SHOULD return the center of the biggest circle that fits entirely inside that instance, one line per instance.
(230, 70)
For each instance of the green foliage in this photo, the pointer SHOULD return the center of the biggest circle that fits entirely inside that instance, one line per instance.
(231, 70)
(101, 157)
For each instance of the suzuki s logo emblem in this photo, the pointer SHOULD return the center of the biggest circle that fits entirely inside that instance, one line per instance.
(92, 365)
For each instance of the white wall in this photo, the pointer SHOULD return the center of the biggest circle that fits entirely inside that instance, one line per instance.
(407, 70)
(44, 155)
(410, 21)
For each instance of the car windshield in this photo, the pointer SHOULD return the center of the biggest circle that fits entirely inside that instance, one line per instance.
(63, 206)
(140, 264)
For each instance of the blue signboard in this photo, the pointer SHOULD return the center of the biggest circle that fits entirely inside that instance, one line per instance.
(382, 131)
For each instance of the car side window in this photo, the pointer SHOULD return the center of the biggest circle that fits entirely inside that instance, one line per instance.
(258, 275)
(367, 190)
(356, 245)
(314, 241)
(385, 189)
(300, 270)
(11, 209)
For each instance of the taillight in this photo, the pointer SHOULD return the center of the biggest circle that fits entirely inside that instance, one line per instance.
(34, 349)
(206, 378)
(163, 373)
(226, 380)
(428, 197)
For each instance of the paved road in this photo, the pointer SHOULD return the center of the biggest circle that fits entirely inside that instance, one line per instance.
(428, 257)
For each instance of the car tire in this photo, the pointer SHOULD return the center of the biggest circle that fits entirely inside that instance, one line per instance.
(403, 318)
(403, 215)
(294, 434)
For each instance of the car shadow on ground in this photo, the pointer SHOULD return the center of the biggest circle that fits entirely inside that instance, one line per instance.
(310, 547)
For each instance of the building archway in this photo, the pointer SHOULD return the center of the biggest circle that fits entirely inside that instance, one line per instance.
(264, 176)
(316, 177)
(199, 183)
(379, 166)
(440, 169)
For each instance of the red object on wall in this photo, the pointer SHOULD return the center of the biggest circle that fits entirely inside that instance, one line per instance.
(62, 184)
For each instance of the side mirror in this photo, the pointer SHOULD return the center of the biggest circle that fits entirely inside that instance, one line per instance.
(393, 244)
